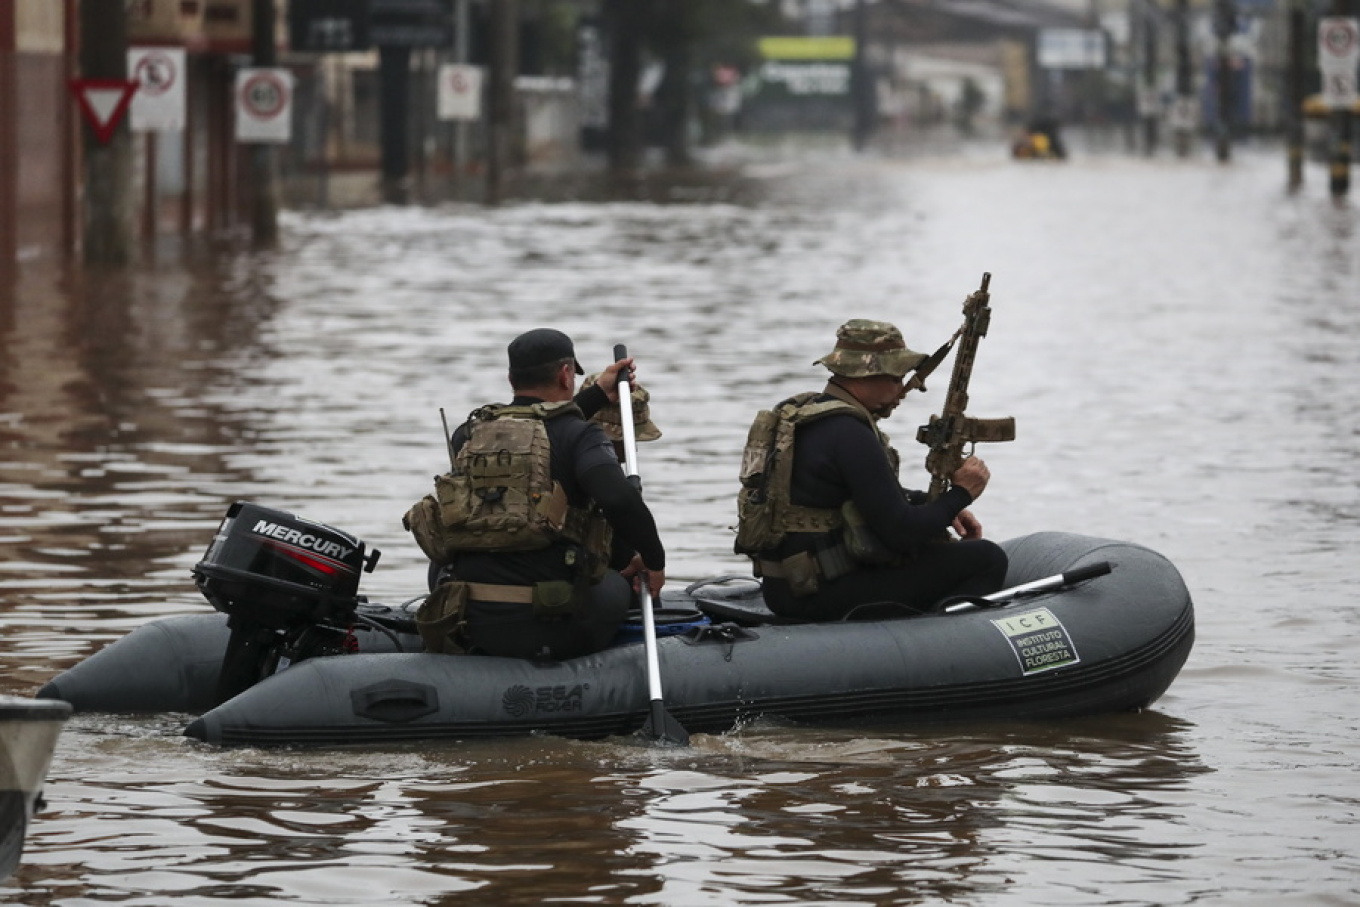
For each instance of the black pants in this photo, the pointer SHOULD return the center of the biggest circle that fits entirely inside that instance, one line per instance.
(940, 571)
(511, 630)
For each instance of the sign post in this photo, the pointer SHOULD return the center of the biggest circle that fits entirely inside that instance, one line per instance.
(1338, 59)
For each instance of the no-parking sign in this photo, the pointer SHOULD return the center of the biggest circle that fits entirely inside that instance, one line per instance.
(264, 105)
(158, 105)
(460, 92)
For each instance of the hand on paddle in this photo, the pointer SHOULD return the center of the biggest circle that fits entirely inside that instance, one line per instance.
(637, 572)
(608, 381)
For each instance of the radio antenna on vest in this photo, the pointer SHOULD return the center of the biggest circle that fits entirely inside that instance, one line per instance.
(448, 439)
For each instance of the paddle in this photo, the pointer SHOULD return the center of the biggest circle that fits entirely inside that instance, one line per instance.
(1038, 586)
(660, 725)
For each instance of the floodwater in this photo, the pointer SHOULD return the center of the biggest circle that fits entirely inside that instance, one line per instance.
(1177, 340)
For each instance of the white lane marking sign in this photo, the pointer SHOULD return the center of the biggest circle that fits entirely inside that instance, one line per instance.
(159, 104)
(264, 105)
(103, 101)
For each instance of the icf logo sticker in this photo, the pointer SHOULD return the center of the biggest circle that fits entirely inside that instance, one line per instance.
(1039, 640)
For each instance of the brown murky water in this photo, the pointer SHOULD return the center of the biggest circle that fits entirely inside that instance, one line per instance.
(1177, 340)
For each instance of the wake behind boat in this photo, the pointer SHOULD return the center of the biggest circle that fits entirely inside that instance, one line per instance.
(337, 669)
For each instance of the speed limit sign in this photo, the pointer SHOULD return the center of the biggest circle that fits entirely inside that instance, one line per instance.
(1338, 44)
(264, 105)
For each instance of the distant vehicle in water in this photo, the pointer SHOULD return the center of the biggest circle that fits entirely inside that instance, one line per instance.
(28, 736)
(1040, 140)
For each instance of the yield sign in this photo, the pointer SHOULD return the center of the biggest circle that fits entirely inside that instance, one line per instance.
(104, 101)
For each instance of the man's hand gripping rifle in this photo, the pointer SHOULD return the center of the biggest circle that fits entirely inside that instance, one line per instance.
(948, 433)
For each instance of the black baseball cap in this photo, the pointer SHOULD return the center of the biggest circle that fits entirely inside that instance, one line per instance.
(539, 347)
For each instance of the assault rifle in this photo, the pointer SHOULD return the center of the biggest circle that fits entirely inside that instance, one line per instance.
(948, 433)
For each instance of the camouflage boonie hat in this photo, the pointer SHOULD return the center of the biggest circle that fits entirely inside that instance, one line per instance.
(868, 348)
(610, 419)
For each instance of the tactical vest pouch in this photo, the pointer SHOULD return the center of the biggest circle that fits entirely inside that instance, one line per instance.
(554, 600)
(757, 516)
(759, 446)
(801, 573)
(500, 495)
(864, 546)
(755, 523)
(597, 537)
(441, 620)
(422, 521)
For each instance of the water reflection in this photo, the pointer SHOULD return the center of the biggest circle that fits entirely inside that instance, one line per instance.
(818, 816)
(1176, 341)
(116, 389)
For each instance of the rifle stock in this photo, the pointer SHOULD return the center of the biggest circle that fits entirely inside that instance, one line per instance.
(948, 434)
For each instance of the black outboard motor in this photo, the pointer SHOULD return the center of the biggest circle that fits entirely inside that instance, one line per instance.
(289, 587)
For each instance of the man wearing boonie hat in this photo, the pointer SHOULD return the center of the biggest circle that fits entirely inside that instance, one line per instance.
(507, 611)
(823, 516)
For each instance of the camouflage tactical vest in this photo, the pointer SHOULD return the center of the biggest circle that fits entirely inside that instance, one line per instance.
(765, 509)
(500, 495)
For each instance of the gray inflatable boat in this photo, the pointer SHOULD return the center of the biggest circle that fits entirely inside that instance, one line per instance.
(1090, 625)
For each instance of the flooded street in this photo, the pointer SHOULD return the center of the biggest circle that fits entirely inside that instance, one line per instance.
(1178, 341)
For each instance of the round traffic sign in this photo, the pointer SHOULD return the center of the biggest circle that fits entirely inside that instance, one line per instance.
(264, 96)
(156, 73)
(1338, 37)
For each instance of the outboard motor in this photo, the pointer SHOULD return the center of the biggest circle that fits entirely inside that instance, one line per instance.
(289, 588)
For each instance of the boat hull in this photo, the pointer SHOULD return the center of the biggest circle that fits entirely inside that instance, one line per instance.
(1110, 644)
(28, 737)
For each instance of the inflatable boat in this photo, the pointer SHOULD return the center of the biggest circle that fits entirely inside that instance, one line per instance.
(1089, 625)
(28, 737)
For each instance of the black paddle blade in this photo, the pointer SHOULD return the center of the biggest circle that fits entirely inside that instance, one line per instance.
(662, 727)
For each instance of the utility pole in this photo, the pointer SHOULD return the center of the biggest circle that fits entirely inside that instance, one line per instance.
(9, 152)
(461, 54)
(108, 167)
(1339, 181)
(861, 86)
(626, 20)
(394, 79)
(1185, 98)
(264, 208)
(501, 95)
(1148, 96)
(674, 31)
(1225, 24)
(1294, 97)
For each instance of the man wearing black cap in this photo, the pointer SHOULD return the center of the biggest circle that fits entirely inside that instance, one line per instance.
(553, 596)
